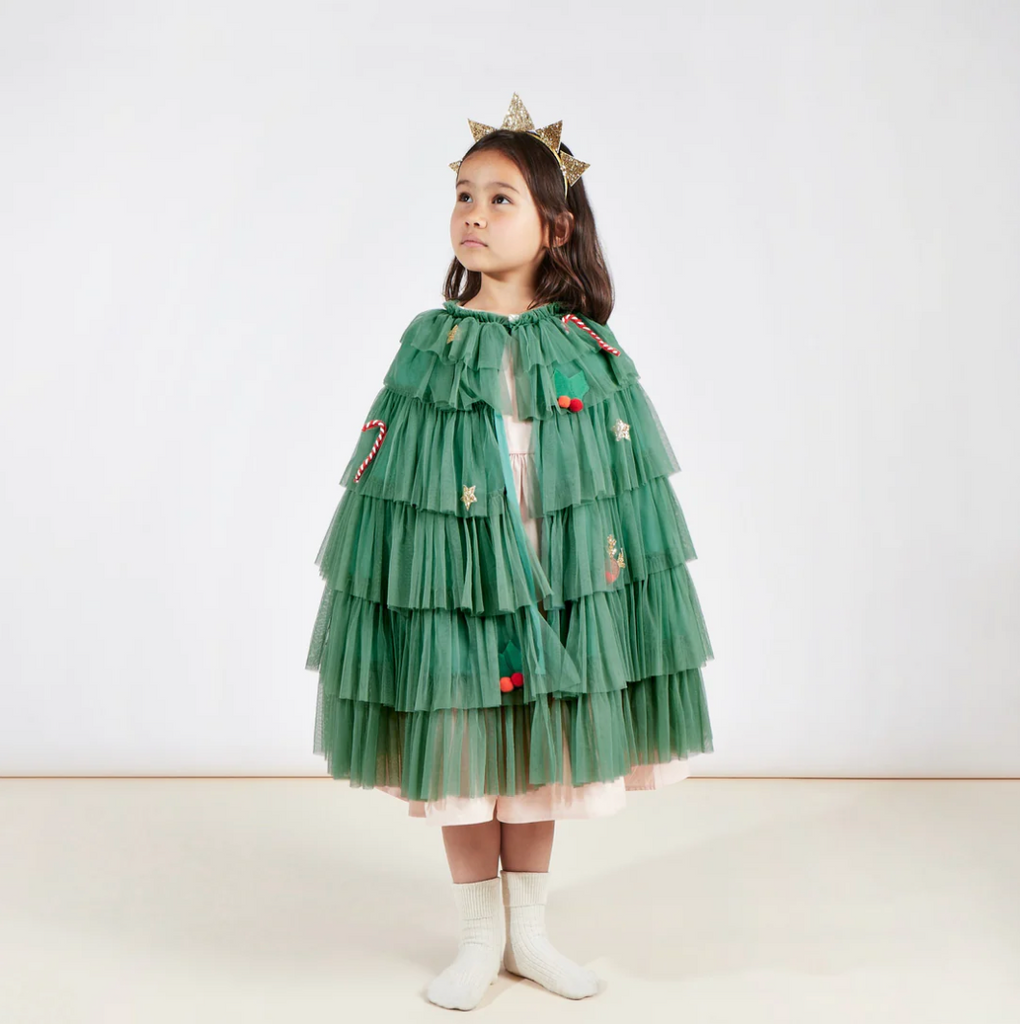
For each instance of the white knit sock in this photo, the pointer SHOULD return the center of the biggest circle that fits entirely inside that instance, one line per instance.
(529, 952)
(480, 951)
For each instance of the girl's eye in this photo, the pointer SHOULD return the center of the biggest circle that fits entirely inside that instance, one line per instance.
(460, 198)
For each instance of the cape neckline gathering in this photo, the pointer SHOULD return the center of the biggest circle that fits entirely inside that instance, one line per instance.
(546, 311)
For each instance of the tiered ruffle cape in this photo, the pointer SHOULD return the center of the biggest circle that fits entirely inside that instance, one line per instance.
(434, 594)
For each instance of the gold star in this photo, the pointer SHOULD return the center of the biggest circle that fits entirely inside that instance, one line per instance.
(469, 495)
(622, 430)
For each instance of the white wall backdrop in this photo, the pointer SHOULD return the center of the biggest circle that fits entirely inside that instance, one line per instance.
(217, 218)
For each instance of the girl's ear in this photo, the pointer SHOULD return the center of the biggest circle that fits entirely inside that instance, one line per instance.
(564, 228)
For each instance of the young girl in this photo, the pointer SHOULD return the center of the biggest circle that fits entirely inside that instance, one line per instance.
(508, 633)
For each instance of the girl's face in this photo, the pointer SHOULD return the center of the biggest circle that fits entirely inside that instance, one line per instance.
(493, 205)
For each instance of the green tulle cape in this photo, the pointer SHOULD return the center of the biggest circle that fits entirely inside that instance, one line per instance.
(430, 600)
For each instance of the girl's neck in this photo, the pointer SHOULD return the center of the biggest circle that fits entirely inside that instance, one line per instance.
(498, 312)
(509, 304)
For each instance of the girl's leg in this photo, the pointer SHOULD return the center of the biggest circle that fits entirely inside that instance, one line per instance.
(528, 846)
(472, 851)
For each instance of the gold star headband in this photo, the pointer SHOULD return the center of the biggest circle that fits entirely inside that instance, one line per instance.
(517, 119)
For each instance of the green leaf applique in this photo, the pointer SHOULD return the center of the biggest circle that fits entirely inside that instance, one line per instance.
(575, 386)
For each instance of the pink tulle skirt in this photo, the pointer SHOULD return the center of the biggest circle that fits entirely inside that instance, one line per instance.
(559, 799)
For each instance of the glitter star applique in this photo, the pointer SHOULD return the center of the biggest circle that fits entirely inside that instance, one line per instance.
(453, 331)
(468, 495)
(622, 430)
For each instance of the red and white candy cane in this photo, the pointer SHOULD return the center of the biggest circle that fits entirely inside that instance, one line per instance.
(375, 447)
(580, 323)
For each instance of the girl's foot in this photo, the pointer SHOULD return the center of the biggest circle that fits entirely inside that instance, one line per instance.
(529, 953)
(480, 950)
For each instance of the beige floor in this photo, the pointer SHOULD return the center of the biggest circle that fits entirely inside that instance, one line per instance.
(713, 901)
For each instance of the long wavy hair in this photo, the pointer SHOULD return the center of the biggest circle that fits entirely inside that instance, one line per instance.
(574, 274)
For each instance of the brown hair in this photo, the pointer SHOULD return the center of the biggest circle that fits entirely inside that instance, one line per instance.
(573, 274)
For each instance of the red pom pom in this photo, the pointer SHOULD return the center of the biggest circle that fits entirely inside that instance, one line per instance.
(564, 401)
(576, 405)
(517, 678)
(506, 684)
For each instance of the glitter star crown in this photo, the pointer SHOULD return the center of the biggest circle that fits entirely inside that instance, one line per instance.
(517, 119)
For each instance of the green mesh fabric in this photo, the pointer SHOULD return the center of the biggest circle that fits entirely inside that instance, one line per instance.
(429, 601)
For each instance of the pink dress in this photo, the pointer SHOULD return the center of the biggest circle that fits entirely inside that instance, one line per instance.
(555, 800)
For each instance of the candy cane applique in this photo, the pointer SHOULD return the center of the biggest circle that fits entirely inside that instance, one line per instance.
(375, 447)
(584, 327)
